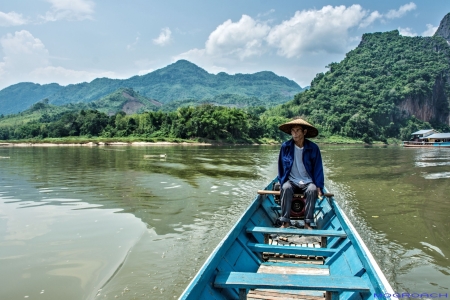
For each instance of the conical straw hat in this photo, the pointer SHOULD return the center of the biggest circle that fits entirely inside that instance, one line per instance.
(312, 131)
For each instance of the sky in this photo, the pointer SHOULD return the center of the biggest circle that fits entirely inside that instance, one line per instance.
(73, 41)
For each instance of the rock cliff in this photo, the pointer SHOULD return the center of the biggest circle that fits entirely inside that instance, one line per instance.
(433, 107)
(436, 105)
(444, 28)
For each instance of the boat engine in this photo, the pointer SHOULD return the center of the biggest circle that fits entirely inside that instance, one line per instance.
(297, 206)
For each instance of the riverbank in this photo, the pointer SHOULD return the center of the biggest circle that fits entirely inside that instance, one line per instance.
(94, 144)
(160, 141)
(98, 141)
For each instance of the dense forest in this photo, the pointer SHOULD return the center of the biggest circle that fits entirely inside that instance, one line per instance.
(361, 96)
(206, 121)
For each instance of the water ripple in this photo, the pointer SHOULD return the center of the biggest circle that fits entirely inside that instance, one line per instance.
(431, 164)
(437, 175)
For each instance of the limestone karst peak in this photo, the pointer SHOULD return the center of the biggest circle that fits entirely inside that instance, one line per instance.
(444, 28)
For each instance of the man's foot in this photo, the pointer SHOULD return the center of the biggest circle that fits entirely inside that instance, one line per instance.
(307, 226)
(286, 225)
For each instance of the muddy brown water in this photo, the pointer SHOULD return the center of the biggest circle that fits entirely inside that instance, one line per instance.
(126, 223)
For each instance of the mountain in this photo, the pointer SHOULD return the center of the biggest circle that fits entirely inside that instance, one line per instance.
(444, 28)
(181, 80)
(21, 96)
(387, 87)
(126, 100)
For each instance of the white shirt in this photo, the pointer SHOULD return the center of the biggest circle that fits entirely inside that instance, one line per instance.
(298, 173)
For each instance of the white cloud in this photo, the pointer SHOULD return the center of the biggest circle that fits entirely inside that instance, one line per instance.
(144, 72)
(406, 31)
(11, 19)
(23, 52)
(430, 30)
(66, 76)
(205, 61)
(241, 39)
(307, 32)
(2, 70)
(233, 46)
(132, 46)
(196, 56)
(315, 31)
(264, 14)
(409, 31)
(164, 37)
(73, 10)
(27, 59)
(393, 14)
(229, 44)
(145, 66)
(193, 53)
(370, 19)
(217, 69)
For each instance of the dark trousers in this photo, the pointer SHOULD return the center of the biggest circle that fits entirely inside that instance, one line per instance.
(287, 192)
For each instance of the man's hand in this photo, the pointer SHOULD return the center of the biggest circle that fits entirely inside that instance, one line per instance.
(319, 191)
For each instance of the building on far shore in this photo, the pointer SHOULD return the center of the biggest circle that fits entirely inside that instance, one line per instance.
(438, 137)
(428, 138)
(419, 135)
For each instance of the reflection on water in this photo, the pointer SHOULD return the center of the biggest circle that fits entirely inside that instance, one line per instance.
(49, 241)
(402, 214)
(131, 222)
(119, 221)
(437, 175)
(432, 164)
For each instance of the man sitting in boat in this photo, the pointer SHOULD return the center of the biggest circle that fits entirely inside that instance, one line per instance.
(300, 169)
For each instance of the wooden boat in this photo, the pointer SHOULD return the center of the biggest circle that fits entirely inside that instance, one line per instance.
(257, 260)
(413, 144)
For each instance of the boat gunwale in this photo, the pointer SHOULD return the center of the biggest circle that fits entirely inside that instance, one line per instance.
(208, 267)
(358, 244)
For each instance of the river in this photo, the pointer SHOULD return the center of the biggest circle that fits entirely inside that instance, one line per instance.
(137, 222)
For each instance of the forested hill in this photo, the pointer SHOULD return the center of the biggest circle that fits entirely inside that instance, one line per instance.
(179, 81)
(387, 87)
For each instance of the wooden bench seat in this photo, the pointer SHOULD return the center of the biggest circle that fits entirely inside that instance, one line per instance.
(292, 231)
(282, 295)
(296, 265)
(277, 193)
(291, 268)
(243, 280)
(326, 252)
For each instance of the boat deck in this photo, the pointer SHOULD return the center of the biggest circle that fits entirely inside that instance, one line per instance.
(278, 263)
(273, 295)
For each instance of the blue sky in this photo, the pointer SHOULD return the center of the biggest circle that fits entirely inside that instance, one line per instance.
(71, 41)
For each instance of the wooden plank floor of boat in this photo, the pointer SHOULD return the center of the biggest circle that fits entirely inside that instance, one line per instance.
(273, 268)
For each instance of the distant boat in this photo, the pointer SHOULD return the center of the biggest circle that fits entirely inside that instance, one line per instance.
(257, 260)
(154, 156)
(428, 138)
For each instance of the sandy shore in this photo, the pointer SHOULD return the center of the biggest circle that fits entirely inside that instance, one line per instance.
(94, 144)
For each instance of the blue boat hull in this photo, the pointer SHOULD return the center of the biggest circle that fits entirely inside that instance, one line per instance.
(243, 263)
(426, 145)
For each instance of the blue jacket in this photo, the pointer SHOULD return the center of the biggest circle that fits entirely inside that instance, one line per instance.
(312, 160)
